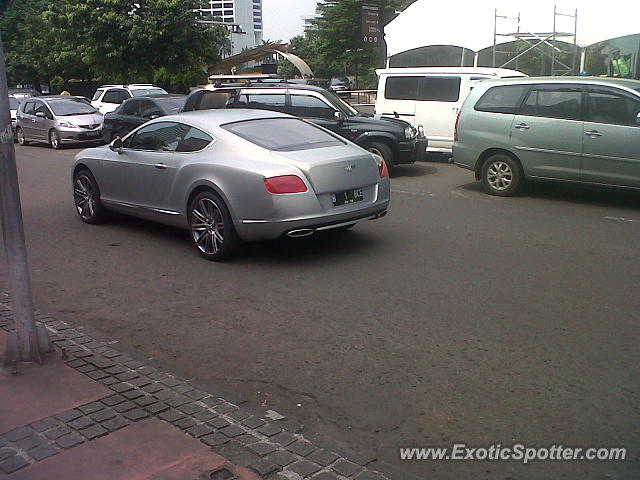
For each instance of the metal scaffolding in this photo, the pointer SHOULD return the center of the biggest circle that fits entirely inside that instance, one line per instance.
(538, 40)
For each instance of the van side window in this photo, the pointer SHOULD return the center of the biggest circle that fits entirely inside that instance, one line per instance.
(504, 99)
(402, 88)
(439, 89)
(564, 103)
(608, 107)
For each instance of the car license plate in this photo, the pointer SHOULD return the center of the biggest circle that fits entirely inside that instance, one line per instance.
(348, 196)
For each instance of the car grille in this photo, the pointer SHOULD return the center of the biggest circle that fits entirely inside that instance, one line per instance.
(90, 127)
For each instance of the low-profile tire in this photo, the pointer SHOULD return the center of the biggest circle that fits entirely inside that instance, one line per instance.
(384, 151)
(54, 140)
(501, 175)
(86, 197)
(22, 141)
(211, 227)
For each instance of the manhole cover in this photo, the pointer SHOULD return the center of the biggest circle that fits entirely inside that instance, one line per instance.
(219, 474)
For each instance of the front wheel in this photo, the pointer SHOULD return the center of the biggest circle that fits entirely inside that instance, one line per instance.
(86, 196)
(211, 227)
(54, 140)
(21, 138)
(382, 150)
(501, 175)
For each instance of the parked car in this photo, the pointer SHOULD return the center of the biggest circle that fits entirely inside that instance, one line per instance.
(339, 84)
(232, 175)
(21, 94)
(431, 97)
(58, 120)
(138, 110)
(394, 140)
(583, 129)
(107, 97)
(14, 103)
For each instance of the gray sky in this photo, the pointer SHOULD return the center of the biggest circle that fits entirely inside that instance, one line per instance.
(282, 19)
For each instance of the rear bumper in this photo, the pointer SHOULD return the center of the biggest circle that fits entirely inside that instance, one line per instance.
(251, 230)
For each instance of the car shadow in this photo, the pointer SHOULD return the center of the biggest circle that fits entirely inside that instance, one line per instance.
(565, 192)
(413, 170)
(320, 248)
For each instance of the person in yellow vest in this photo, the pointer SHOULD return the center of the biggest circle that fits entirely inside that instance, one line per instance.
(619, 65)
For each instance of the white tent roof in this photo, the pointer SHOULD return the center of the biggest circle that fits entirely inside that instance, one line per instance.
(469, 23)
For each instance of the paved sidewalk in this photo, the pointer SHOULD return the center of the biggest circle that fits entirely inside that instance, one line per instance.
(92, 412)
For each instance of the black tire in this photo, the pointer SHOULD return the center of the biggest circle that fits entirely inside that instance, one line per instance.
(54, 140)
(22, 141)
(501, 175)
(86, 197)
(211, 227)
(384, 151)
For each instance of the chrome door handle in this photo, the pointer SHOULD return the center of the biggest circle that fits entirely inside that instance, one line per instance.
(522, 126)
(160, 166)
(593, 134)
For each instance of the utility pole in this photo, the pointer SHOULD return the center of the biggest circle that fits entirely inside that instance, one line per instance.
(26, 341)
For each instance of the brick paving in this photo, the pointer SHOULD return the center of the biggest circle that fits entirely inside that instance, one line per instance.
(273, 449)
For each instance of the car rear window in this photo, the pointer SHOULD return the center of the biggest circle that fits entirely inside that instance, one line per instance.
(283, 134)
(503, 99)
(143, 92)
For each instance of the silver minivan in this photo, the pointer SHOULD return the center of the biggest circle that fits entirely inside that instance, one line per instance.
(58, 120)
(574, 129)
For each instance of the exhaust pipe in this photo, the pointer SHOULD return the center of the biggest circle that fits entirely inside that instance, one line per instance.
(302, 232)
(380, 215)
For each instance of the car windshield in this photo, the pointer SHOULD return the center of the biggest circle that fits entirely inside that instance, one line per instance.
(70, 106)
(283, 134)
(13, 103)
(339, 81)
(144, 92)
(341, 105)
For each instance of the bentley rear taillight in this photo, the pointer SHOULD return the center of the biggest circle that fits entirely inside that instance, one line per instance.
(285, 184)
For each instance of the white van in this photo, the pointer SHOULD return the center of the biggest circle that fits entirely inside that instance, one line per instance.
(431, 96)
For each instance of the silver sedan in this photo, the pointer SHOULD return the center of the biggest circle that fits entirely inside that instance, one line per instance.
(231, 176)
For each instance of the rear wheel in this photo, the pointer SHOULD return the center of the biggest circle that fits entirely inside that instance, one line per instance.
(211, 227)
(20, 136)
(501, 175)
(86, 196)
(54, 139)
(384, 151)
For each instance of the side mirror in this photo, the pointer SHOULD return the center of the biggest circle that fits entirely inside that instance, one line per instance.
(638, 119)
(339, 116)
(40, 115)
(116, 145)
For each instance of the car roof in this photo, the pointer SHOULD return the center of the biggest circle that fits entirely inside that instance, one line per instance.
(268, 85)
(60, 97)
(157, 96)
(494, 72)
(206, 119)
(584, 80)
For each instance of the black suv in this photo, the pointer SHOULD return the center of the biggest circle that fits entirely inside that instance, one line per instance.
(394, 140)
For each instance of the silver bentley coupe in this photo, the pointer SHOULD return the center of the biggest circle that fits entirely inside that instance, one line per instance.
(231, 176)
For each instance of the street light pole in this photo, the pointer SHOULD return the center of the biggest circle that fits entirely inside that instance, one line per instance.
(25, 342)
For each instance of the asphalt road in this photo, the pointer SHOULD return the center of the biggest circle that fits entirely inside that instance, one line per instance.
(458, 317)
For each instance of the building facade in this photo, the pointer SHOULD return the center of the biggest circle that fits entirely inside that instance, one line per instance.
(244, 19)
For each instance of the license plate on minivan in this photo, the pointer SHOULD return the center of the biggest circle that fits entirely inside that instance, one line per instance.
(346, 197)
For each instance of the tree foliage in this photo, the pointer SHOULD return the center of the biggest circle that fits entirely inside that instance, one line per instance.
(109, 41)
(334, 45)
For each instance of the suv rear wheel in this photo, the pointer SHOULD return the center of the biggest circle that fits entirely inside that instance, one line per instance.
(501, 175)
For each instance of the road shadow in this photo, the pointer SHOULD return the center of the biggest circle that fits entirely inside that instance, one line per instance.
(437, 157)
(320, 248)
(413, 170)
(572, 193)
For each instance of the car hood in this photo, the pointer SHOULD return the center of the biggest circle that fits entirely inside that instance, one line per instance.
(83, 120)
(379, 122)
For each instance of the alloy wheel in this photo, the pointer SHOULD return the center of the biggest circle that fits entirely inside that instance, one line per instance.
(54, 139)
(207, 226)
(499, 176)
(84, 195)
(20, 136)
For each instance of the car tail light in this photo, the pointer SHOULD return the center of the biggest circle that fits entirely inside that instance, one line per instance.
(455, 129)
(285, 184)
(383, 171)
